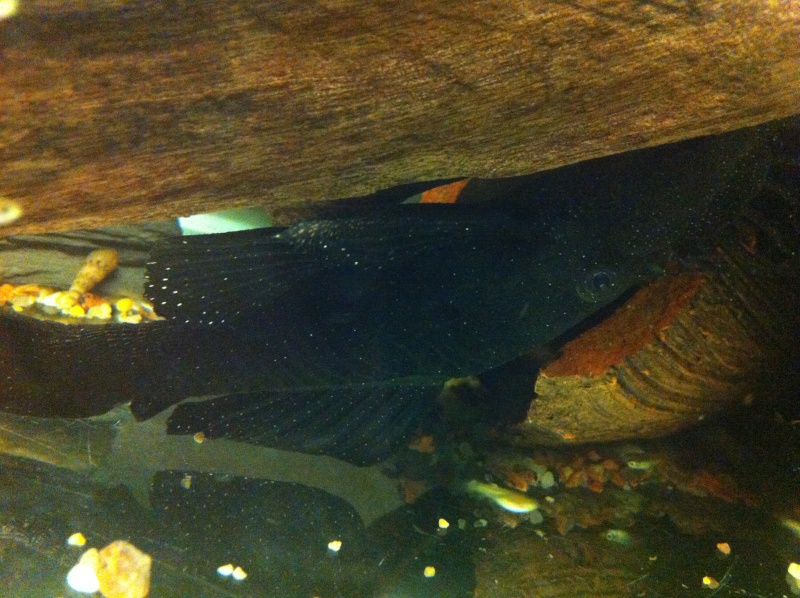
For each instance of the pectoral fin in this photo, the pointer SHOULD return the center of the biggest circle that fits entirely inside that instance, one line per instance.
(363, 424)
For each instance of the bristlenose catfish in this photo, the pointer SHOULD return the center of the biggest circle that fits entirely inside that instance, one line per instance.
(335, 336)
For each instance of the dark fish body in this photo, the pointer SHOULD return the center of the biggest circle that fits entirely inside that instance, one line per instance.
(327, 317)
(335, 335)
(418, 291)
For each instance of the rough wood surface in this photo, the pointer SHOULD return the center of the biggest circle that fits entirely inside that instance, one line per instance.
(115, 111)
(681, 349)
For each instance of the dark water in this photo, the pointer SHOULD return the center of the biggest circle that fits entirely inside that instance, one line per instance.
(279, 532)
(642, 518)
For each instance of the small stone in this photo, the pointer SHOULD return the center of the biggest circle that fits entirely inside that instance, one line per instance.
(335, 545)
(225, 570)
(124, 571)
(710, 583)
(547, 480)
(124, 305)
(794, 570)
(100, 312)
(83, 576)
(535, 517)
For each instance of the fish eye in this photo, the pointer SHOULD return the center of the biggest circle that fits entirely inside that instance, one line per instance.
(597, 285)
(600, 281)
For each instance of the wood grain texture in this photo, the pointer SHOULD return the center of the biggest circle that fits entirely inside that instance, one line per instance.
(114, 111)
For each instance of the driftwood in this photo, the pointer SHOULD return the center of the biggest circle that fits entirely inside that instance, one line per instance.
(129, 111)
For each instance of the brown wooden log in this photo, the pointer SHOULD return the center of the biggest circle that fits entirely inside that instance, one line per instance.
(132, 111)
(675, 354)
(681, 349)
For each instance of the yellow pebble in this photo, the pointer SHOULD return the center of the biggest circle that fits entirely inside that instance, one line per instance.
(23, 300)
(76, 539)
(429, 571)
(43, 294)
(710, 583)
(64, 300)
(100, 312)
(225, 570)
(443, 523)
(199, 437)
(129, 318)
(335, 545)
(186, 481)
(238, 574)
(794, 570)
(10, 210)
(124, 305)
(76, 311)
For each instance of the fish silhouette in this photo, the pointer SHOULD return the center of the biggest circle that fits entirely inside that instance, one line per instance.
(343, 331)
(330, 336)
(335, 335)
